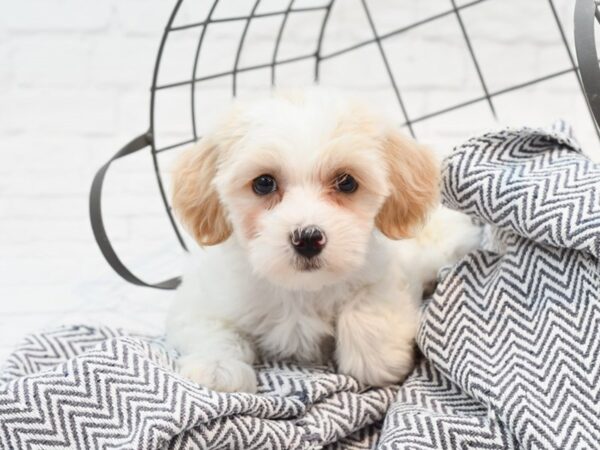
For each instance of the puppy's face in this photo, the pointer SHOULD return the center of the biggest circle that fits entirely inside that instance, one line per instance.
(302, 183)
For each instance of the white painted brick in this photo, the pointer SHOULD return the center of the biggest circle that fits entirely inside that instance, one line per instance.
(6, 56)
(342, 71)
(506, 65)
(151, 227)
(387, 21)
(103, 148)
(178, 55)
(260, 41)
(34, 16)
(310, 3)
(510, 22)
(444, 132)
(233, 9)
(302, 28)
(53, 111)
(144, 17)
(348, 26)
(55, 299)
(55, 61)
(59, 183)
(133, 111)
(44, 249)
(191, 12)
(125, 61)
(135, 205)
(421, 64)
(41, 207)
(52, 154)
(47, 229)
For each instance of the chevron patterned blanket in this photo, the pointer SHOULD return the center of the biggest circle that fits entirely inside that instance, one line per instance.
(512, 333)
(82, 387)
(510, 341)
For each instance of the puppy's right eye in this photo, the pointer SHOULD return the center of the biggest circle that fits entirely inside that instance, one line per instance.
(263, 185)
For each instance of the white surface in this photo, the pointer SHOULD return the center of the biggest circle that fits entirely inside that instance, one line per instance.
(74, 78)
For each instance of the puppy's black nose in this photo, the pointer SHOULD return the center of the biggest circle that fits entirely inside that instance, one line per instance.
(308, 241)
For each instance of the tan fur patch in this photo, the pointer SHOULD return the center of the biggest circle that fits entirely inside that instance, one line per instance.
(195, 199)
(414, 176)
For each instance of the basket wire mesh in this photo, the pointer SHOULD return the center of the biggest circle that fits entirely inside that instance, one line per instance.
(318, 56)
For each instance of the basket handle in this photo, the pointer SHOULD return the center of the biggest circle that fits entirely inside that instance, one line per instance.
(586, 14)
(106, 247)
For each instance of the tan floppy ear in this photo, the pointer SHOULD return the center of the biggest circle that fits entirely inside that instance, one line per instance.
(195, 199)
(414, 179)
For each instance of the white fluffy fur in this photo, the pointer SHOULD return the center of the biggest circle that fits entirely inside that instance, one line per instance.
(245, 297)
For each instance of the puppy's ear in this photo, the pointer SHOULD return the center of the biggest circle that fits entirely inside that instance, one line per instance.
(414, 185)
(195, 199)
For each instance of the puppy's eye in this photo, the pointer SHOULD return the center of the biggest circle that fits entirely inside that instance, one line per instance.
(346, 183)
(263, 185)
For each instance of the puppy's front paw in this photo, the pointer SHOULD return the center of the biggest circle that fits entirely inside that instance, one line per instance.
(224, 375)
(387, 362)
(378, 368)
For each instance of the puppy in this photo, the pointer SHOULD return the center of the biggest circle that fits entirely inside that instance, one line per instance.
(309, 211)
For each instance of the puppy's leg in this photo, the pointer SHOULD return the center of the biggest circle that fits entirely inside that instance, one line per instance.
(375, 339)
(213, 354)
(447, 237)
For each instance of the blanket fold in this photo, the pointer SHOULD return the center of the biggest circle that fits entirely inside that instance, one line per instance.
(534, 182)
(511, 335)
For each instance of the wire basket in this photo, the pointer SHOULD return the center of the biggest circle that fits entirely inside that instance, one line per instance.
(386, 32)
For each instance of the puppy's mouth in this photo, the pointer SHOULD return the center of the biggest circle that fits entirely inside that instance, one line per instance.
(303, 264)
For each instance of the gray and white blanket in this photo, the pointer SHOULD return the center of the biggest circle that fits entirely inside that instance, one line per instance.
(510, 341)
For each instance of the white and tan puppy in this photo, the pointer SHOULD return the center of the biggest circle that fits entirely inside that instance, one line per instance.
(309, 209)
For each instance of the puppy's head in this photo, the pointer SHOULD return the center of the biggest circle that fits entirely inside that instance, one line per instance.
(302, 182)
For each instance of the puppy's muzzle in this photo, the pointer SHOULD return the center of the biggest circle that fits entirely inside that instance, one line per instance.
(308, 241)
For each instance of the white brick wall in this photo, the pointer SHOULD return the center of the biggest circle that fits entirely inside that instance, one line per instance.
(74, 87)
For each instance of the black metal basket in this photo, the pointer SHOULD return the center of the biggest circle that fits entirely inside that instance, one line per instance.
(585, 46)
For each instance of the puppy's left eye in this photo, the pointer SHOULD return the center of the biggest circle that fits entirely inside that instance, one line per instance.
(263, 185)
(346, 183)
